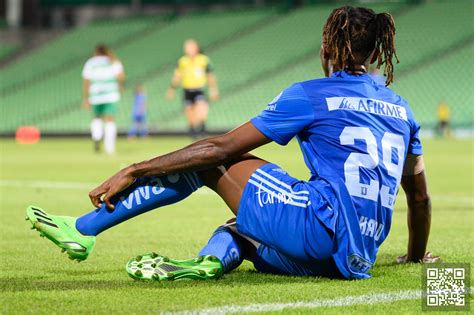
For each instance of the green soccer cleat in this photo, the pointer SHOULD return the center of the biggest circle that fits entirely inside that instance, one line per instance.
(62, 232)
(161, 268)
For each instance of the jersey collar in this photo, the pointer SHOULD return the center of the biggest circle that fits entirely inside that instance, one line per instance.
(345, 75)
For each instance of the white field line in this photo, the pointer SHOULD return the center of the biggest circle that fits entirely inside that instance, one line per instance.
(45, 184)
(7, 183)
(368, 299)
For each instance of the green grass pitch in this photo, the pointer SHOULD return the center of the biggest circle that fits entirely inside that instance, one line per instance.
(57, 175)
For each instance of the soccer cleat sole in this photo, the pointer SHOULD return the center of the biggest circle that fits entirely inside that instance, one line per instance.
(153, 267)
(71, 252)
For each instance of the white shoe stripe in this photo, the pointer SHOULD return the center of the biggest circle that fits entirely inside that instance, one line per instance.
(302, 192)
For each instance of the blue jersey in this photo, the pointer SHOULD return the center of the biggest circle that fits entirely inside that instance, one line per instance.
(139, 105)
(354, 134)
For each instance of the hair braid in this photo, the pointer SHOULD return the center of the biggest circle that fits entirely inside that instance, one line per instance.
(351, 34)
(337, 34)
(385, 43)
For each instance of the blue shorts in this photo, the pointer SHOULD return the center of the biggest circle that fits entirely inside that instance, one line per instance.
(139, 119)
(278, 211)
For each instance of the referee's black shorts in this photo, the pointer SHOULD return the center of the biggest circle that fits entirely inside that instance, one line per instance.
(191, 96)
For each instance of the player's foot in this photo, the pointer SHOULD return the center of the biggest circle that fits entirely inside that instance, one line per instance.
(161, 268)
(62, 232)
(97, 146)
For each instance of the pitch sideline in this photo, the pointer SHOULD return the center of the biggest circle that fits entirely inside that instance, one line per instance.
(368, 299)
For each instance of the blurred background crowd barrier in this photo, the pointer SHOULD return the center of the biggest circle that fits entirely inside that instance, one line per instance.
(257, 48)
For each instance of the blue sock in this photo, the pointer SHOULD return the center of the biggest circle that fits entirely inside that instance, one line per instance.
(225, 245)
(145, 194)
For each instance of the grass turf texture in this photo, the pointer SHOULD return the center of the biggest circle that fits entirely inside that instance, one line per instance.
(37, 278)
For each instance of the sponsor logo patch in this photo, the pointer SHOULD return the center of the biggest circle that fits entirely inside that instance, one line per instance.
(367, 105)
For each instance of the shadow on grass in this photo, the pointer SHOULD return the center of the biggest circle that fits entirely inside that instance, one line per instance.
(234, 279)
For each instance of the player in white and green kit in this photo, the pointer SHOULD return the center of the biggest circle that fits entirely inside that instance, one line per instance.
(103, 79)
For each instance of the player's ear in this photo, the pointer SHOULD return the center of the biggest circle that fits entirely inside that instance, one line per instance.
(375, 56)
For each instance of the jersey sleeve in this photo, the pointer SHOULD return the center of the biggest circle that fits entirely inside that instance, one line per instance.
(286, 115)
(178, 68)
(414, 147)
(86, 72)
(118, 67)
(209, 66)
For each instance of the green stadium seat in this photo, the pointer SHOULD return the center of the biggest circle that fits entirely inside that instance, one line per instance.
(255, 55)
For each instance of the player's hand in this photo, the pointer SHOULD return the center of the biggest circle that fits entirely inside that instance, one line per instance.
(112, 186)
(214, 95)
(427, 259)
(86, 104)
(170, 94)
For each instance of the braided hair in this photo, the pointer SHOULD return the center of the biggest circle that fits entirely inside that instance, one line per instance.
(351, 34)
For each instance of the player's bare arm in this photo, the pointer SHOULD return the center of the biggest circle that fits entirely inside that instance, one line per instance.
(175, 81)
(200, 155)
(121, 81)
(213, 89)
(85, 93)
(414, 184)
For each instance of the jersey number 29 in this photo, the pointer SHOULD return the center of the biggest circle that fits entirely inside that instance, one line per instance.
(370, 160)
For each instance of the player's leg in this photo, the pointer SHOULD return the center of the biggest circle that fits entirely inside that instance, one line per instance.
(134, 128)
(276, 228)
(231, 247)
(224, 252)
(110, 129)
(189, 112)
(97, 126)
(78, 234)
(142, 127)
(270, 260)
(144, 195)
(276, 212)
(202, 111)
(153, 192)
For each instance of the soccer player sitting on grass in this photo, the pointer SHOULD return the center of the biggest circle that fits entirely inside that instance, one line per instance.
(359, 140)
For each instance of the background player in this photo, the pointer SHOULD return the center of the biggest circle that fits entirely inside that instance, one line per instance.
(444, 115)
(139, 113)
(103, 81)
(359, 141)
(193, 72)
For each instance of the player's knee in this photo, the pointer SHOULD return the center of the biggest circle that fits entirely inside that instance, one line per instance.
(422, 197)
(210, 177)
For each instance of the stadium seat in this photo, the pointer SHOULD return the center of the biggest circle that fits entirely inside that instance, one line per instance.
(255, 55)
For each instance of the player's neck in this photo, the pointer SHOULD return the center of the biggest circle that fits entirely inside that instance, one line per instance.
(356, 69)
